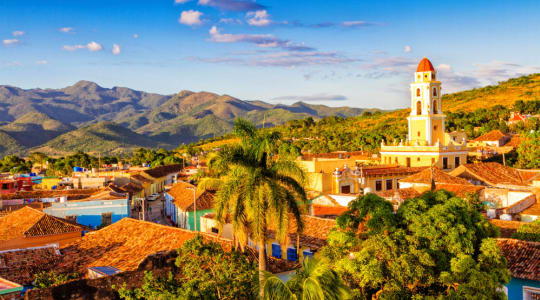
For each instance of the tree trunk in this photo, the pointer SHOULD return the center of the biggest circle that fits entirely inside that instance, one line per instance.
(262, 267)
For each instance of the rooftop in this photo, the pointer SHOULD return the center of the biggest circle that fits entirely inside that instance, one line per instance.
(507, 228)
(425, 66)
(141, 178)
(183, 196)
(522, 258)
(29, 222)
(124, 245)
(337, 155)
(494, 173)
(438, 176)
(493, 135)
(20, 265)
(315, 231)
(163, 171)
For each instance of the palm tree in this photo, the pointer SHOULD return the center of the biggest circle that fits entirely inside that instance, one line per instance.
(255, 189)
(315, 281)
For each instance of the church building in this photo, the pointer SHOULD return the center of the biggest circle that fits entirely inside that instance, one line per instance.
(427, 142)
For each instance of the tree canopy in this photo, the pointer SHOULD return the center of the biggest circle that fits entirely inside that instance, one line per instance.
(436, 245)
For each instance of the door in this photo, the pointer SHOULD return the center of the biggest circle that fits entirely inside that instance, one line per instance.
(346, 189)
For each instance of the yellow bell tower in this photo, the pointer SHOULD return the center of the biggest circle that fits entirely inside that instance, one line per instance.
(427, 143)
(426, 121)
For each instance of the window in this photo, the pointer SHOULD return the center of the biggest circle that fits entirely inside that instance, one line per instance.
(445, 163)
(346, 189)
(72, 218)
(418, 133)
(418, 108)
(435, 127)
(418, 158)
(432, 161)
(378, 185)
(389, 184)
(418, 92)
(408, 161)
(435, 110)
(531, 293)
(435, 92)
(215, 230)
(396, 160)
(5, 186)
(456, 161)
(433, 76)
(106, 219)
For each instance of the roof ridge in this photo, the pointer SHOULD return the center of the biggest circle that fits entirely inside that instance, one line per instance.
(518, 240)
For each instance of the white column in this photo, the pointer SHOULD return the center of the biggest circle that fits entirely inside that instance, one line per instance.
(429, 138)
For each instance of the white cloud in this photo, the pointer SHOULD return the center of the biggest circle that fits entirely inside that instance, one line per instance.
(41, 62)
(258, 18)
(230, 21)
(356, 23)
(18, 33)
(115, 49)
(135, 36)
(312, 98)
(407, 49)
(66, 29)
(9, 42)
(261, 40)
(190, 17)
(92, 46)
(181, 1)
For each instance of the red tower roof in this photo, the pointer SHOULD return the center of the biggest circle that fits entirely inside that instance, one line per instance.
(425, 66)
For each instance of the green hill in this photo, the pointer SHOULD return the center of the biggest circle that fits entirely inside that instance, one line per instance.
(103, 137)
(34, 128)
(9, 145)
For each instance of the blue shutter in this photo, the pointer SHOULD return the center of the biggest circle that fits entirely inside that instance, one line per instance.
(291, 254)
(276, 250)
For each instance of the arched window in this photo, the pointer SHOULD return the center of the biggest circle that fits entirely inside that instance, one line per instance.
(435, 111)
(418, 108)
(435, 92)
(418, 92)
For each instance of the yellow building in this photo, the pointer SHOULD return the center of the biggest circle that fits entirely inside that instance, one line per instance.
(427, 142)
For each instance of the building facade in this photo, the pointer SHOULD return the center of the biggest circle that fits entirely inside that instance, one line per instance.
(427, 142)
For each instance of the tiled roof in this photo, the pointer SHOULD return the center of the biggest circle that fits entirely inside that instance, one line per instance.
(183, 197)
(461, 190)
(534, 209)
(523, 258)
(507, 228)
(492, 173)
(438, 175)
(107, 194)
(29, 222)
(124, 245)
(493, 135)
(425, 66)
(314, 234)
(20, 265)
(403, 194)
(48, 194)
(163, 171)
(514, 141)
(322, 210)
(141, 178)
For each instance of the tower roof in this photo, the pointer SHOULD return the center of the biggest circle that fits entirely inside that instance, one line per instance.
(425, 66)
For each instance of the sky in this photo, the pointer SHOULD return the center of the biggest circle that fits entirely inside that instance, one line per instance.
(337, 53)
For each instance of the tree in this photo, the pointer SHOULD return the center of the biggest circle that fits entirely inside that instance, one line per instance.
(314, 280)
(529, 152)
(205, 271)
(436, 246)
(528, 231)
(48, 279)
(254, 189)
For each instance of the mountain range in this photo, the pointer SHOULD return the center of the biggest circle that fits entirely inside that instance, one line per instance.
(88, 117)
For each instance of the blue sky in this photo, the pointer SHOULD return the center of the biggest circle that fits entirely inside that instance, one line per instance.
(355, 53)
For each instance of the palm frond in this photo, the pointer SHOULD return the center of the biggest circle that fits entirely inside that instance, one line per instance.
(275, 289)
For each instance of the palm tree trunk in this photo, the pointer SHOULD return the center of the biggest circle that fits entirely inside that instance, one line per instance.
(262, 267)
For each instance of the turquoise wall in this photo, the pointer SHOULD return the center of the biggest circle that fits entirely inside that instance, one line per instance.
(515, 287)
(191, 218)
(89, 212)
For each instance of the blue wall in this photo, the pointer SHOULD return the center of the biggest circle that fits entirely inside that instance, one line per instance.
(515, 287)
(89, 212)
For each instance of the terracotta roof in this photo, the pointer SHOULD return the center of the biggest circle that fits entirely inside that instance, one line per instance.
(514, 141)
(183, 197)
(29, 222)
(516, 117)
(314, 234)
(125, 244)
(48, 194)
(438, 175)
(425, 66)
(534, 209)
(403, 194)
(163, 171)
(131, 187)
(492, 173)
(141, 178)
(20, 265)
(461, 190)
(507, 228)
(322, 210)
(387, 170)
(523, 258)
(107, 194)
(493, 135)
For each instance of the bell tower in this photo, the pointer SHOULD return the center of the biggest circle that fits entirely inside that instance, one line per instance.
(426, 121)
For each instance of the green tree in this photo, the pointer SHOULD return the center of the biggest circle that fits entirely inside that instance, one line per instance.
(315, 280)
(256, 190)
(528, 231)
(529, 152)
(48, 279)
(205, 271)
(435, 246)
